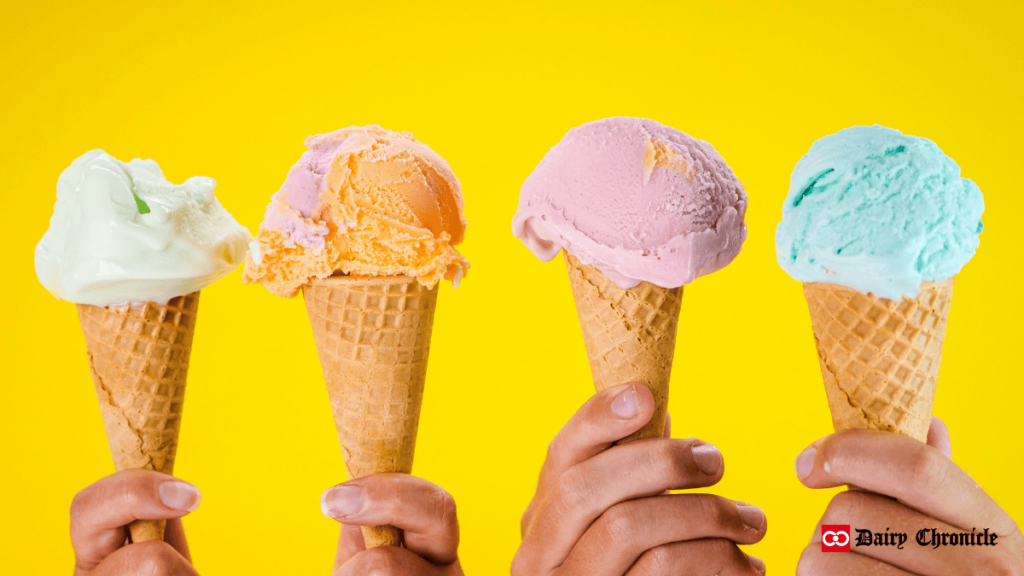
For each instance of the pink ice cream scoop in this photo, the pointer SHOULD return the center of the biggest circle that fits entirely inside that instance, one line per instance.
(637, 200)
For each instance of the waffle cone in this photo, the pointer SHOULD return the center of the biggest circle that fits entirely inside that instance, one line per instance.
(138, 354)
(373, 339)
(880, 358)
(630, 335)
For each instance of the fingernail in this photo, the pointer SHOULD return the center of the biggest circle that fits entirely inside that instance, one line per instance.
(179, 495)
(626, 405)
(341, 501)
(708, 458)
(752, 516)
(757, 563)
(805, 462)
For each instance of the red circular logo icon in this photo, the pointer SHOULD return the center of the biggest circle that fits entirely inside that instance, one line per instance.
(835, 538)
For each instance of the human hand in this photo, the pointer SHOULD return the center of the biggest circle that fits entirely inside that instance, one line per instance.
(101, 513)
(424, 511)
(904, 486)
(605, 510)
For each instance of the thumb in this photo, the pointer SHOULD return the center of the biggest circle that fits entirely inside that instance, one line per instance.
(938, 437)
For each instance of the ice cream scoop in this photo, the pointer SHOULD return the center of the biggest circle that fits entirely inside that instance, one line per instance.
(361, 201)
(120, 232)
(637, 200)
(878, 211)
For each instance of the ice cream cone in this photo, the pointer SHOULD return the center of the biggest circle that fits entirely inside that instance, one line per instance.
(630, 335)
(880, 358)
(373, 339)
(139, 356)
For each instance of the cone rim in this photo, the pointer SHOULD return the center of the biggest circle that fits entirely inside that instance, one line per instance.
(359, 280)
(925, 285)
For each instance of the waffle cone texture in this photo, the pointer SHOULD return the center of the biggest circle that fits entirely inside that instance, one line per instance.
(138, 354)
(630, 335)
(373, 339)
(880, 358)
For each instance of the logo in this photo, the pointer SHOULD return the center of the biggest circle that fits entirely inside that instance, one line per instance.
(840, 538)
(835, 538)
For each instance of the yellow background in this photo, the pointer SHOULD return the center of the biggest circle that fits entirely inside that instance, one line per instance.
(230, 90)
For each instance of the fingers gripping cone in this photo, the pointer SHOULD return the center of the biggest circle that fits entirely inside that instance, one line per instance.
(880, 358)
(139, 357)
(630, 335)
(373, 339)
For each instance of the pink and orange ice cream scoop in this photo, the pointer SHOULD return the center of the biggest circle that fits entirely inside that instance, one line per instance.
(361, 201)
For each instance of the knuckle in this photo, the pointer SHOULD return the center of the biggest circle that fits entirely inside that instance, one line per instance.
(724, 553)
(156, 559)
(447, 527)
(521, 565)
(718, 511)
(928, 471)
(552, 447)
(525, 521)
(379, 561)
(1000, 564)
(618, 526)
(807, 565)
(78, 504)
(125, 490)
(671, 461)
(843, 505)
(1016, 538)
(78, 525)
(655, 561)
(444, 507)
(555, 447)
(574, 489)
(681, 455)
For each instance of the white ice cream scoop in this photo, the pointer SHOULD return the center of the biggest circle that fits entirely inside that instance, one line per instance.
(121, 232)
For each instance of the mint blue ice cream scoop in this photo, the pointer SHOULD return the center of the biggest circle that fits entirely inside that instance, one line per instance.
(878, 211)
